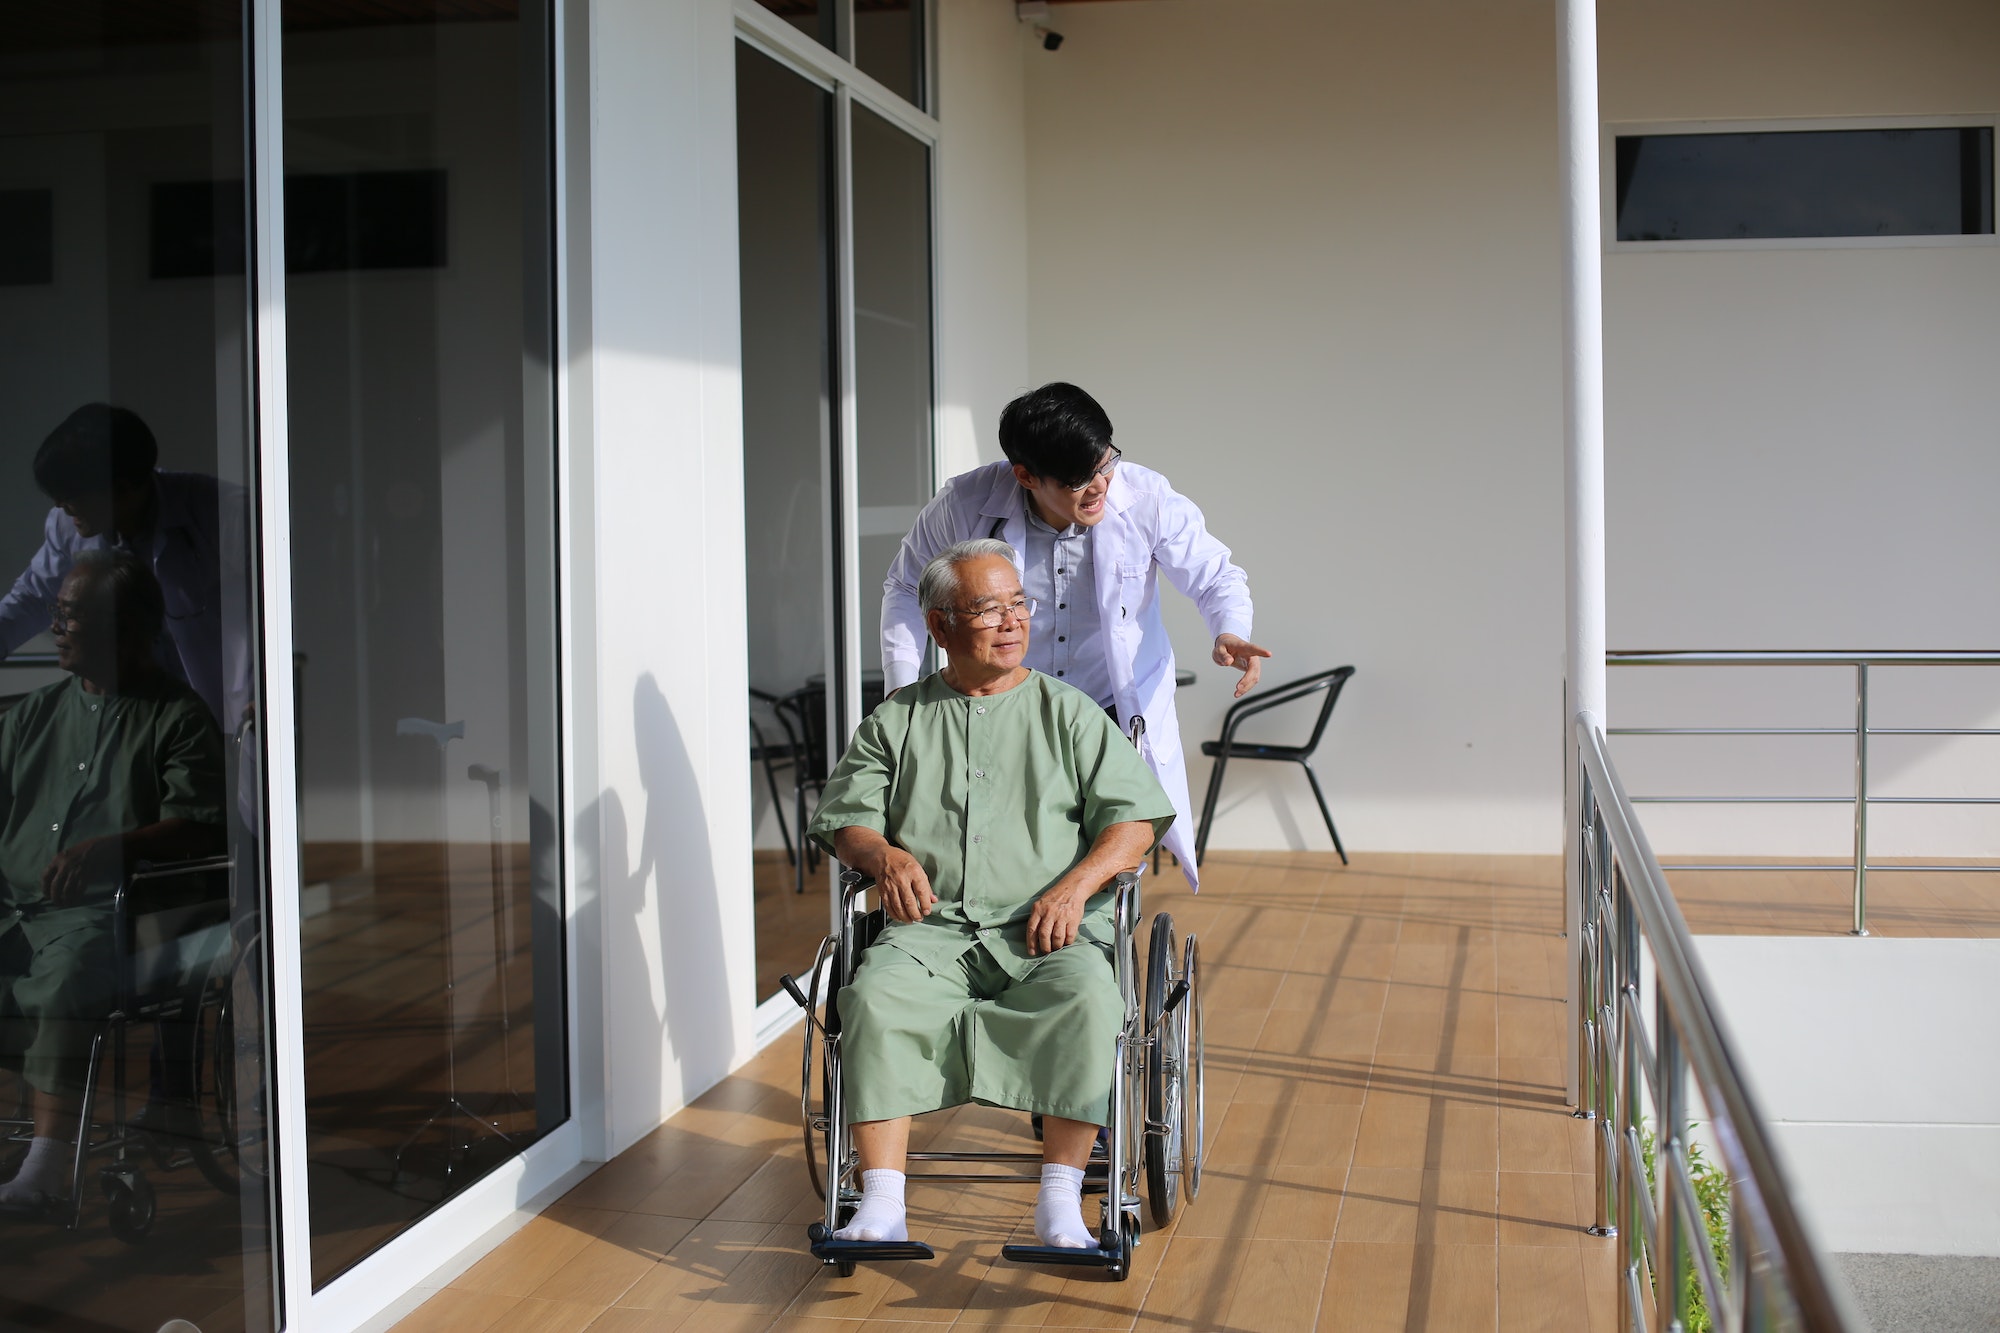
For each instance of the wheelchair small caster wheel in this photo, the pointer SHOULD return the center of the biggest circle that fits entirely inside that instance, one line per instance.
(132, 1205)
(1121, 1268)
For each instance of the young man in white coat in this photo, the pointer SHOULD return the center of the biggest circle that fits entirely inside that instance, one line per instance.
(1094, 535)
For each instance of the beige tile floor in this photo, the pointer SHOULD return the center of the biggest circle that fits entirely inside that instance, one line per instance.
(1388, 1149)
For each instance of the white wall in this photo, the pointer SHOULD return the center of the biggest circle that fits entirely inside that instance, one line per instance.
(1802, 442)
(983, 253)
(1869, 1060)
(663, 824)
(1305, 252)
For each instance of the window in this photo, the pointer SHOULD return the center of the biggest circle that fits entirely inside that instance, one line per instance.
(1794, 184)
(127, 420)
(419, 291)
(834, 233)
(888, 40)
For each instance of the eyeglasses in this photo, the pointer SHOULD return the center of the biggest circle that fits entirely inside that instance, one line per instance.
(993, 617)
(1105, 472)
(61, 614)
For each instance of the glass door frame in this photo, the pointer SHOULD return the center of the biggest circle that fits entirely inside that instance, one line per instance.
(771, 36)
(391, 1276)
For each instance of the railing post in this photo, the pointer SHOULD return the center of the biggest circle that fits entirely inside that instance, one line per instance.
(1671, 1258)
(1625, 1114)
(1587, 957)
(1860, 799)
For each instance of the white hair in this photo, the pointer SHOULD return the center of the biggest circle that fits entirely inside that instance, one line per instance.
(938, 588)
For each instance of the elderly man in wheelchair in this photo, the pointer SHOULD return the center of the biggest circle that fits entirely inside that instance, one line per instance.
(117, 765)
(993, 808)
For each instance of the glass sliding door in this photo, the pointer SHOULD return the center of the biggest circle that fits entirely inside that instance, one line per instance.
(418, 255)
(133, 955)
(784, 167)
(892, 351)
(834, 237)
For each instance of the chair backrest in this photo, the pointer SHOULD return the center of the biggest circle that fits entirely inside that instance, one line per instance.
(1330, 681)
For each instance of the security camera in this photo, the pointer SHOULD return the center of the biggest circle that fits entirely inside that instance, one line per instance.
(1033, 11)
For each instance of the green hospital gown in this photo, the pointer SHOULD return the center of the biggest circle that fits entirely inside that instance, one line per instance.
(76, 766)
(997, 797)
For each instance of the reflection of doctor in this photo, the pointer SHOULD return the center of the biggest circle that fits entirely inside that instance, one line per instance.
(1094, 535)
(99, 466)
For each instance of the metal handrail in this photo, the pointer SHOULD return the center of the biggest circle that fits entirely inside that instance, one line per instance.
(1860, 731)
(1777, 1278)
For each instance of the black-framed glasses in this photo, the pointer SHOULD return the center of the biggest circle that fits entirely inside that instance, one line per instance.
(61, 614)
(1110, 464)
(993, 617)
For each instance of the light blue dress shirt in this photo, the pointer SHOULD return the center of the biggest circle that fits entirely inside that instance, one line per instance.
(1066, 638)
(197, 550)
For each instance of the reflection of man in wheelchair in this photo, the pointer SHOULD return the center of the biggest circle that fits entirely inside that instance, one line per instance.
(992, 807)
(118, 765)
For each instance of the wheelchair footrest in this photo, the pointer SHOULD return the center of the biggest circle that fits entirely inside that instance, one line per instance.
(1095, 1257)
(830, 1250)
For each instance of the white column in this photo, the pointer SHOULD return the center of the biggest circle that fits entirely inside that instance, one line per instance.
(1583, 426)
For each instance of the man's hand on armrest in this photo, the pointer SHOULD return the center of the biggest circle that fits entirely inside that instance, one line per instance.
(1058, 913)
(899, 878)
(78, 866)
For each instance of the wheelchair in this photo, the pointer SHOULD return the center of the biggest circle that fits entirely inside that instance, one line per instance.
(1156, 1130)
(177, 963)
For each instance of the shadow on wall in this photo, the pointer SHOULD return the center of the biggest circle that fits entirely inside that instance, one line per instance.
(666, 981)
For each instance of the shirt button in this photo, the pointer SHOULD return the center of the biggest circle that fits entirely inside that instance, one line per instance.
(1060, 638)
(1062, 571)
(978, 837)
(978, 772)
(55, 828)
(980, 709)
(1062, 606)
(80, 768)
(1059, 673)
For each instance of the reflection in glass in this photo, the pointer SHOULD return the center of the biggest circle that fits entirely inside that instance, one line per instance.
(785, 222)
(418, 296)
(1795, 183)
(892, 350)
(817, 19)
(133, 999)
(889, 45)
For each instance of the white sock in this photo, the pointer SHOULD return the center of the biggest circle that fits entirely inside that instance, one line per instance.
(43, 1173)
(881, 1215)
(1059, 1209)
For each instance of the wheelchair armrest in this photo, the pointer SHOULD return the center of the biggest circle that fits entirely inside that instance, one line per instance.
(852, 885)
(143, 879)
(1125, 902)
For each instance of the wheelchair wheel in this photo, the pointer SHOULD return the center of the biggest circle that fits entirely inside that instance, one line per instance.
(132, 1204)
(1194, 1097)
(232, 1090)
(818, 1125)
(1166, 1083)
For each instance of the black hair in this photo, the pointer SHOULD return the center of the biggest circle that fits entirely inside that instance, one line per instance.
(97, 449)
(120, 578)
(1057, 431)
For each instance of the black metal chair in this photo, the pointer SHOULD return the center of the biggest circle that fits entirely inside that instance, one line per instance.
(1228, 747)
(771, 755)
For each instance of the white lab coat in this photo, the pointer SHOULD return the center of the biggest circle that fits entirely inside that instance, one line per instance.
(1150, 528)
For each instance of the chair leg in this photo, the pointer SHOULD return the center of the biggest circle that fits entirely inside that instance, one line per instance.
(799, 815)
(1324, 813)
(1208, 809)
(778, 807)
